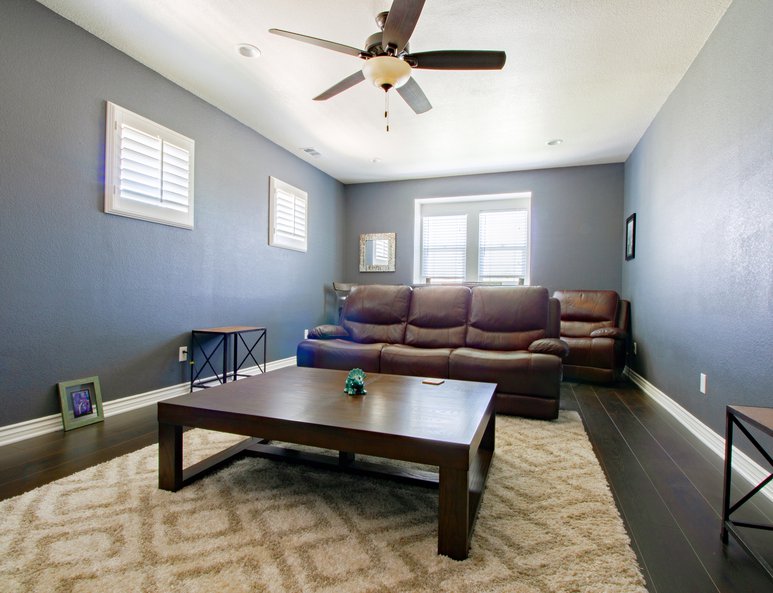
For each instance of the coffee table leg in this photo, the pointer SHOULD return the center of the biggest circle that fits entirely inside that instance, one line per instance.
(454, 513)
(170, 457)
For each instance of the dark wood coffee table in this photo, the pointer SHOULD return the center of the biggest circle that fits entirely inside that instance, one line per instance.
(450, 426)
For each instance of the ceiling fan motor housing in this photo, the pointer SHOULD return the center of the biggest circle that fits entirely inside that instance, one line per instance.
(373, 45)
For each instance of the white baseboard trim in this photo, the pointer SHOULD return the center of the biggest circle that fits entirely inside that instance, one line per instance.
(746, 467)
(13, 433)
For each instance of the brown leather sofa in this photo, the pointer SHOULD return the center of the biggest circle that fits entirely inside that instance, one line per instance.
(595, 324)
(504, 335)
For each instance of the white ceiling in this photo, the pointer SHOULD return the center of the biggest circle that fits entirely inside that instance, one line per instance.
(592, 72)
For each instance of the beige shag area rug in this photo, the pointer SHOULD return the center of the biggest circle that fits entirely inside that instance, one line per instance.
(547, 523)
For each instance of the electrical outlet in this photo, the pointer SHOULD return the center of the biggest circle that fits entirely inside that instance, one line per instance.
(305, 334)
(635, 348)
(703, 383)
(182, 354)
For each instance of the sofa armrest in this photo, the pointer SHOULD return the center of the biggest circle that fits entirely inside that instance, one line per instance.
(328, 332)
(550, 346)
(609, 332)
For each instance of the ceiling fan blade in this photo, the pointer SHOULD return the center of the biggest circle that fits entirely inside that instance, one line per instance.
(414, 96)
(400, 23)
(458, 60)
(346, 83)
(344, 49)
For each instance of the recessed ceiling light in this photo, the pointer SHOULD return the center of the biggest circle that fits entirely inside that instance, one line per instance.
(311, 151)
(375, 159)
(248, 51)
(555, 142)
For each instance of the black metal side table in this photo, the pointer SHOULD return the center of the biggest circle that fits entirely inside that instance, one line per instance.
(762, 419)
(225, 333)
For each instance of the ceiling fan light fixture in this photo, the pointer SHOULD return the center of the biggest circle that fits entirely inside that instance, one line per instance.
(387, 72)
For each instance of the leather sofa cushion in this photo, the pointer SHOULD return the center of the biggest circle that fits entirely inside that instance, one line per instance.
(507, 317)
(438, 317)
(341, 355)
(327, 332)
(591, 352)
(376, 313)
(419, 362)
(583, 311)
(538, 375)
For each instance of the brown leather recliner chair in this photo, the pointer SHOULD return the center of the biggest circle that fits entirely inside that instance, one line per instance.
(596, 325)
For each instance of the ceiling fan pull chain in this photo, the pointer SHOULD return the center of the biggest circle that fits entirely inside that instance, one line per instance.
(386, 109)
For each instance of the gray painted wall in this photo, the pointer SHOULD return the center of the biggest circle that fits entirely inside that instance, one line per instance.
(86, 293)
(701, 184)
(577, 222)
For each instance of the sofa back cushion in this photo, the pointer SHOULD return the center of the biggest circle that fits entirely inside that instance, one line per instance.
(583, 311)
(507, 317)
(438, 317)
(376, 313)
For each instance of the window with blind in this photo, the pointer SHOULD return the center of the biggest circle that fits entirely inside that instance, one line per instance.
(288, 216)
(148, 170)
(502, 245)
(444, 247)
(473, 239)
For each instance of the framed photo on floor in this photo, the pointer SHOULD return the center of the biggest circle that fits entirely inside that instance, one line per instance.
(630, 237)
(81, 402)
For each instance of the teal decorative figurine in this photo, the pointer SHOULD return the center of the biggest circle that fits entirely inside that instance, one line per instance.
(355, 382)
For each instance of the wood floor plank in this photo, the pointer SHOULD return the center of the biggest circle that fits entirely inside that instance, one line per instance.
(40, 460)
(701, 465)
(730, 569)
(647, 517)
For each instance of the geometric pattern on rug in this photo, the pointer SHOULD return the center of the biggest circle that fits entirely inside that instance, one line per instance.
(547, 523)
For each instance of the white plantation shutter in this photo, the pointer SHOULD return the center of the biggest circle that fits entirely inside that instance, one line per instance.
(288, 216)
(503, 245)
(175, 176)
(153, 171)
(148, 170)
(444, 247)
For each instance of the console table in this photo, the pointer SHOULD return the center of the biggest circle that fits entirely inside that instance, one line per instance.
(761, 419)
(233, 333)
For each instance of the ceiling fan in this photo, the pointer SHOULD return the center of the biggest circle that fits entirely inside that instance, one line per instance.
(388, 61)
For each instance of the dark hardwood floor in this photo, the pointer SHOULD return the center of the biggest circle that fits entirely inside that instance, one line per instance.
(667, 484)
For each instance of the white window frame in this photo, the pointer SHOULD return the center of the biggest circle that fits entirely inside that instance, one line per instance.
(471, 206)
(173, 214)
(284, 197)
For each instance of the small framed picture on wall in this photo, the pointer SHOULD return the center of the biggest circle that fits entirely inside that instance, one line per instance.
(630, 237)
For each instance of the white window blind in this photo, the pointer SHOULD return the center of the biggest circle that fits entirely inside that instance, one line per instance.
(148, 170)
(503, 245)
(444, 247)
(288, 216)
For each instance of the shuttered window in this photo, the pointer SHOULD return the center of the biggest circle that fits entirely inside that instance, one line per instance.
(444, 247)
(288, 216)
(148, 170)
(502, 245)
